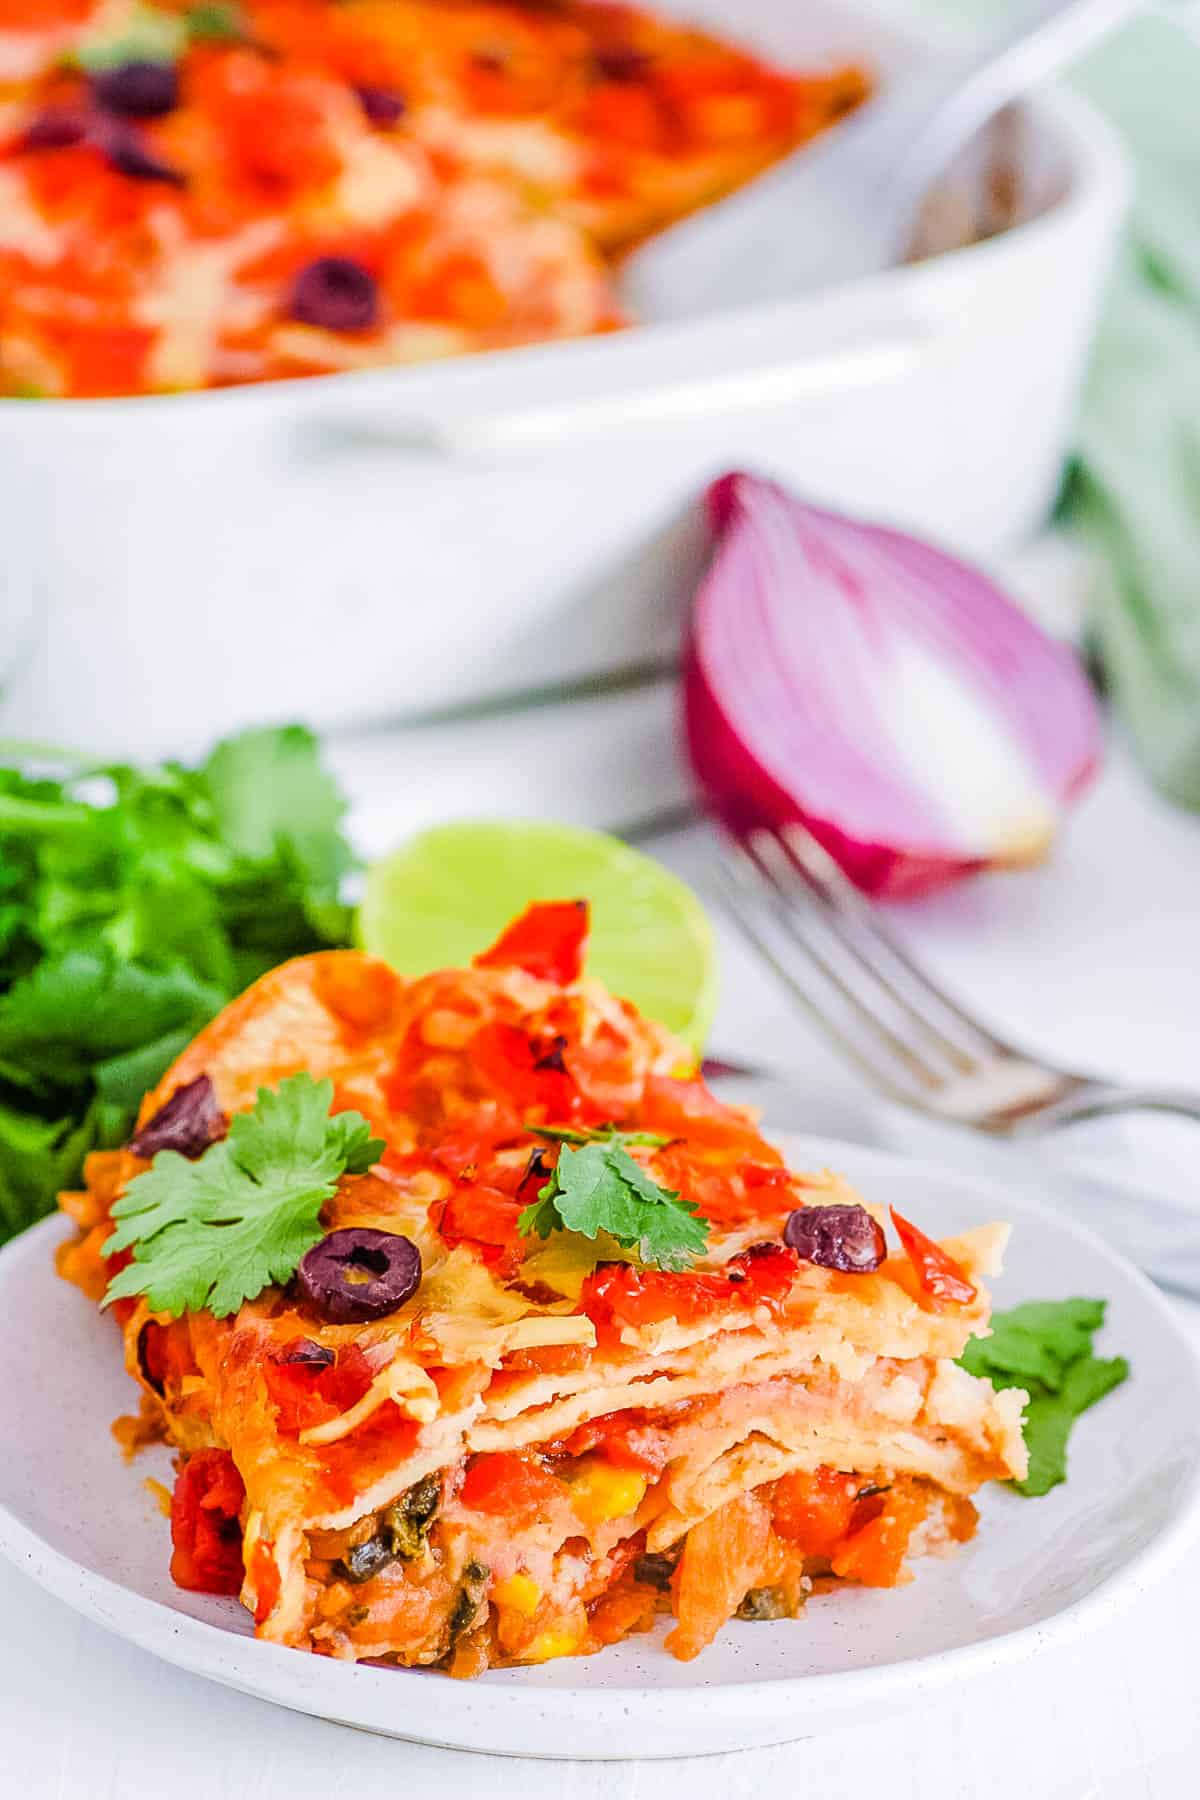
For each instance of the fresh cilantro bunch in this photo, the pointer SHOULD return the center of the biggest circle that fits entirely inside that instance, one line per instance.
(598, 1187)
(134, 902)
(1045, 1347)
(216, 1230)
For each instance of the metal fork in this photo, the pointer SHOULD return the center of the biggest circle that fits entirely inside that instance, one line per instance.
(906, 1034)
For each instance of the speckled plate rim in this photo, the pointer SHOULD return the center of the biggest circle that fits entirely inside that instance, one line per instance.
(700, 1718)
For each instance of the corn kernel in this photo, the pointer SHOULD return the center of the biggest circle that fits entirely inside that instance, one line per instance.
(600, 1492)
(549, 1644)
(518, 1593)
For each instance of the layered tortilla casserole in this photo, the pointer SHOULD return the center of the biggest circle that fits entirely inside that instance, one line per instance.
(549, 1443)
(199, 195)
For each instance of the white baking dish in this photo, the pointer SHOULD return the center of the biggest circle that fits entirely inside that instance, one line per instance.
(364, 546)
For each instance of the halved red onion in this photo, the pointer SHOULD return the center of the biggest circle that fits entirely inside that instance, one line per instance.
(887, 695)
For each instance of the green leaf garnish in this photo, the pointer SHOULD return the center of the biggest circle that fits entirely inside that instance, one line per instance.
(143, 35)
(79, 1009)
(1045, 1347)
(215, 24)
(600, 1134)
(134, 903)
(215, 1231)
(598, 1187)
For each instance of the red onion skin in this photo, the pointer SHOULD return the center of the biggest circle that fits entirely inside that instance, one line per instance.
(743, 794)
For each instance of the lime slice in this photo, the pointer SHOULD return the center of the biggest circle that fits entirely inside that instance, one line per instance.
(448, 893)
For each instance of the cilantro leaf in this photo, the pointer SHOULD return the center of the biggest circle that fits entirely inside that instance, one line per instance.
(1038, 1340)
(598, 1187)
(40, 1156)
(273, 800)
(215, 24)
(1050, 1416)
(134, 903)
(1045, 1347)
(215, 1231)
(77, 1009)
(565, 1134)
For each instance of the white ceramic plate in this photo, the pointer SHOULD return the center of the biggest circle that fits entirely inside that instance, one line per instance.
(78, 1519)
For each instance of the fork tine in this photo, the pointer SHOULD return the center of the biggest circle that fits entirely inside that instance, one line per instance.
(877, 948)
(753, 896)
(818, 935)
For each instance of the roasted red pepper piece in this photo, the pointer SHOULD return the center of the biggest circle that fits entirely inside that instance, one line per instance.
(939, 1275)
(206, 1535)
(548, 940)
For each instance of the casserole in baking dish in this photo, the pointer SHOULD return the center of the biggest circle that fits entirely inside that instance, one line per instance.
(391, 541)
(198, 197)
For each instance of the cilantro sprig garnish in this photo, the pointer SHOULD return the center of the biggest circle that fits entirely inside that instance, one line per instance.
(597, 1187)
(1045, 1347)
(215, 1231)
(600, 1134)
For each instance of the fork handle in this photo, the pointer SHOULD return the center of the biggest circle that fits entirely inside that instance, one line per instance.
(1097, 1100)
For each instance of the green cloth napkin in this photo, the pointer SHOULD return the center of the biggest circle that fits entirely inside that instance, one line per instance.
(1134, 490)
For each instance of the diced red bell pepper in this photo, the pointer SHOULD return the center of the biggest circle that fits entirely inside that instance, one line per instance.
(514, 1485)
(308, 1393)
(529, 1070)
(478, 1214)
(626, 1439)
(205, 1531)
(815, 1509)
(548, 940)
(619, 1294)
(265, 1572)
(874, 1552)
(941, 1278)
(766, 1272)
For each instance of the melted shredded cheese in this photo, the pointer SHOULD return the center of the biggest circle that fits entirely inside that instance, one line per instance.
(403, 1381)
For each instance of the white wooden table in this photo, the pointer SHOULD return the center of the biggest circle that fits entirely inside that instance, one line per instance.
(1097, 960)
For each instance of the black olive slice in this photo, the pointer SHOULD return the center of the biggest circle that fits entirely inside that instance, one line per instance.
(358, 1274)
(845, 1238)
(190, 1121)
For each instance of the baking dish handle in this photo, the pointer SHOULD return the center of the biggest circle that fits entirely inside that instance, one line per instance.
(660, 377)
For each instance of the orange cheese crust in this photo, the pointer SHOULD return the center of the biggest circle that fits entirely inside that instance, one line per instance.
(546, 1445)
(483, 163)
